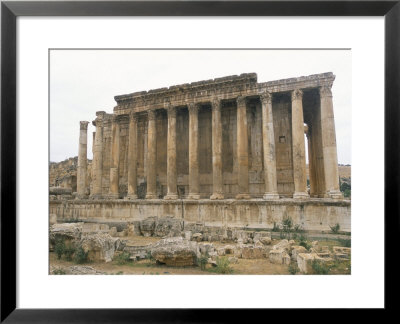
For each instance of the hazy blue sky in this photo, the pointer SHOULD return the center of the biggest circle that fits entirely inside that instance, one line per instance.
(85, 81)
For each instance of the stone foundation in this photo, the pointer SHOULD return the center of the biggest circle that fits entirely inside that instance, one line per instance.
(311, 214)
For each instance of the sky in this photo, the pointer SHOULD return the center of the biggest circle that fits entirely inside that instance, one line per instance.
(85, 81)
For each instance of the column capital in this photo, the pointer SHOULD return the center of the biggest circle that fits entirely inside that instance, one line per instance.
(325, 91)
(171, 110)
(114, 118)
(193, 107)
(151, 114)
(241, 100)
(297, 94)
(266, 97)
(83, 125)
(133, 116)
(216, 104)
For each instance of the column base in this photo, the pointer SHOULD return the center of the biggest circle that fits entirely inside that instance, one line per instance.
(171, 196)
(334, 194)
(151, 196)
(301, 195)
(217, 196)
(271, 196)
(243, 196)
(131, 197)
(193, 196)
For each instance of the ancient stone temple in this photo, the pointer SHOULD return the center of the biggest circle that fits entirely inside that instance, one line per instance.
(229, 137)
(227, 150)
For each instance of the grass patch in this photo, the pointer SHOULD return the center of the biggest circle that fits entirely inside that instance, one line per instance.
(59, 272)
(223, 266)
(123, 258)
(320, 267)
(80, 256)
(293, 268)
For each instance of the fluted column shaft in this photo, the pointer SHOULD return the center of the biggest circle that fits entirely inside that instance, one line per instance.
(242, 150)
(217, 150)
(98, 160)
(271, 191)
(132, 157)
(298, 146)
(151, 156)
(82, 160)
(329, 148)
(193, 152)
(171, 154)
(114, 168)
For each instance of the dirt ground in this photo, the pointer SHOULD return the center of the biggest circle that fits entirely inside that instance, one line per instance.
(244, 266)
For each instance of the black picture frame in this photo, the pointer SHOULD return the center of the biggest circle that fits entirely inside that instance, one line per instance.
(11, 10)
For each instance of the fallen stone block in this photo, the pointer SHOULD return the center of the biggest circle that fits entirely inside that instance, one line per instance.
(279, 256)
(283, 244)
(175, 251)
(296, 249)
(147, 226)
(100, 246)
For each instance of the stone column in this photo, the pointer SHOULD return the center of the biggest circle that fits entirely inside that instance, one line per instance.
(151, 166)
(171, 154)
(298, 147)
(97, 160)
(82, 161)
(114, 168)
(311, 166)
(193, 152)
(132, 157)
(329, 149)
(271, 185)
(242, 150)
(217, 150)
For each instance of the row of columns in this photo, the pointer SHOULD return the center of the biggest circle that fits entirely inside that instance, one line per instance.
(270, 177)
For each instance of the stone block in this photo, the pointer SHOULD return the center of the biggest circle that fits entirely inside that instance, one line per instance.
(279, 256)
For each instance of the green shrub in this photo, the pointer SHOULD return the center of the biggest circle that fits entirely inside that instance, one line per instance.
(69, 250)
(344, 242)
(122, 258)
(306, 245)
(275, 228)
(335, 229)
(223, 265)
(319, 267)
(202, 261)
(293, 268)
(298, 228)
(59, 249)
(80, 255)
(149, 256)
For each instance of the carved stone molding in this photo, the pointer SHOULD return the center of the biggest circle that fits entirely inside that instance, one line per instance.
(297, 94)
(152, 114)
(266, 97)
(241, 101)
(83, 125)
(325, 91)
(193, 108)
(133, 116)
(171, 110)
(216, 104)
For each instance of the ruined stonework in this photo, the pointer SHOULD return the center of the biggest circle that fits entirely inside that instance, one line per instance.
(229, 139)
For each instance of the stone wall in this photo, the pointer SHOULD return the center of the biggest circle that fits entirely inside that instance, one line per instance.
(312, 215)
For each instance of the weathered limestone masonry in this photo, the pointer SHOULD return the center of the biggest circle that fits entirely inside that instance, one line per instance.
(228, 151)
